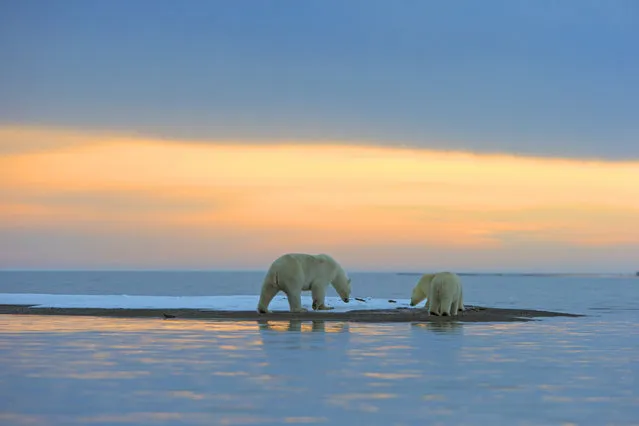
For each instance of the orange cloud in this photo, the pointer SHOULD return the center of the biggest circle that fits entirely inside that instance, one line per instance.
(286, 196)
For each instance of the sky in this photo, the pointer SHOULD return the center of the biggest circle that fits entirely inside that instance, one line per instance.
(394, 135)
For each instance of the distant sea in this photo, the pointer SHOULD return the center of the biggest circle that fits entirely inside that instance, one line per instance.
(74, 370)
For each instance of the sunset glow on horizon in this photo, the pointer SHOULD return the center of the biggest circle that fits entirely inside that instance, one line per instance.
(142, 202)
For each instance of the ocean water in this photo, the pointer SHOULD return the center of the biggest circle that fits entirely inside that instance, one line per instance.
(555, 371)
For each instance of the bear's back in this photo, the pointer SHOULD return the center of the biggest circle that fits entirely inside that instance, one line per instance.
(447, 281)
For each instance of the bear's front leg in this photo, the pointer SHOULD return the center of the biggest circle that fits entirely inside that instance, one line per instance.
(319, 295)
(295, 301)
(322, 307)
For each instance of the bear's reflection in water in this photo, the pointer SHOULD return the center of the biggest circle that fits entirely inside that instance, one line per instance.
(343, 327)
(440, 326)
(277, 335)
(304, 326)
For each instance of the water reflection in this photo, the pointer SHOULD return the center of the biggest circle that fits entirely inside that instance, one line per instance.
(440, 326)
(305, 420)
(70, 370)
(304, 326)
(364, 402)
(139, 418)
(71, 324)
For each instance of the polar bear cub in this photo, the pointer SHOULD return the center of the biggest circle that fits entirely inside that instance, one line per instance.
(293, 273)
(444, 292)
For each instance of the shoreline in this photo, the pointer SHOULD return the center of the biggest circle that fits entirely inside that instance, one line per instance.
(471, 314)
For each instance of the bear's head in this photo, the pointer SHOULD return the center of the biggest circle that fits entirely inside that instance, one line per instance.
(417, 296)
(422, 288)
(342, 285)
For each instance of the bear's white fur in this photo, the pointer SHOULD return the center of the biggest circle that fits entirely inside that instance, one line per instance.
(293, 273)
(444, 292)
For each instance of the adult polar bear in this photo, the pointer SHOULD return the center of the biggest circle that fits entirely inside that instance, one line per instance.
(444, 292)
(293, 273)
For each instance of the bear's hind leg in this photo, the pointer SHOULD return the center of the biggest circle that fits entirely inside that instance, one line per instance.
(295, 301)
(434, 305)
(454, 308)
(268, 293)
(445, 306)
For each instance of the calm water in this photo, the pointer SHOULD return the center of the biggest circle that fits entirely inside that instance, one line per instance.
(68, 370)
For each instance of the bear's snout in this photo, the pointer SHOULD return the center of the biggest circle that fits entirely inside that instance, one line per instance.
(345, 299)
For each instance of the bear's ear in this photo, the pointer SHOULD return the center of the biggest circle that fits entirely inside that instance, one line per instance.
(349, 280)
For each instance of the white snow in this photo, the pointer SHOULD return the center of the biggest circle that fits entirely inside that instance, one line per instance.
(222, 303)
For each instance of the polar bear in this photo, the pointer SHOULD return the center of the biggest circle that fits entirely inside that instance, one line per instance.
(293, 273)
(444, 293)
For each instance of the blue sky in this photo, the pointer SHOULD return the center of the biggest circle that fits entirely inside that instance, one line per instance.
(550, 78)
